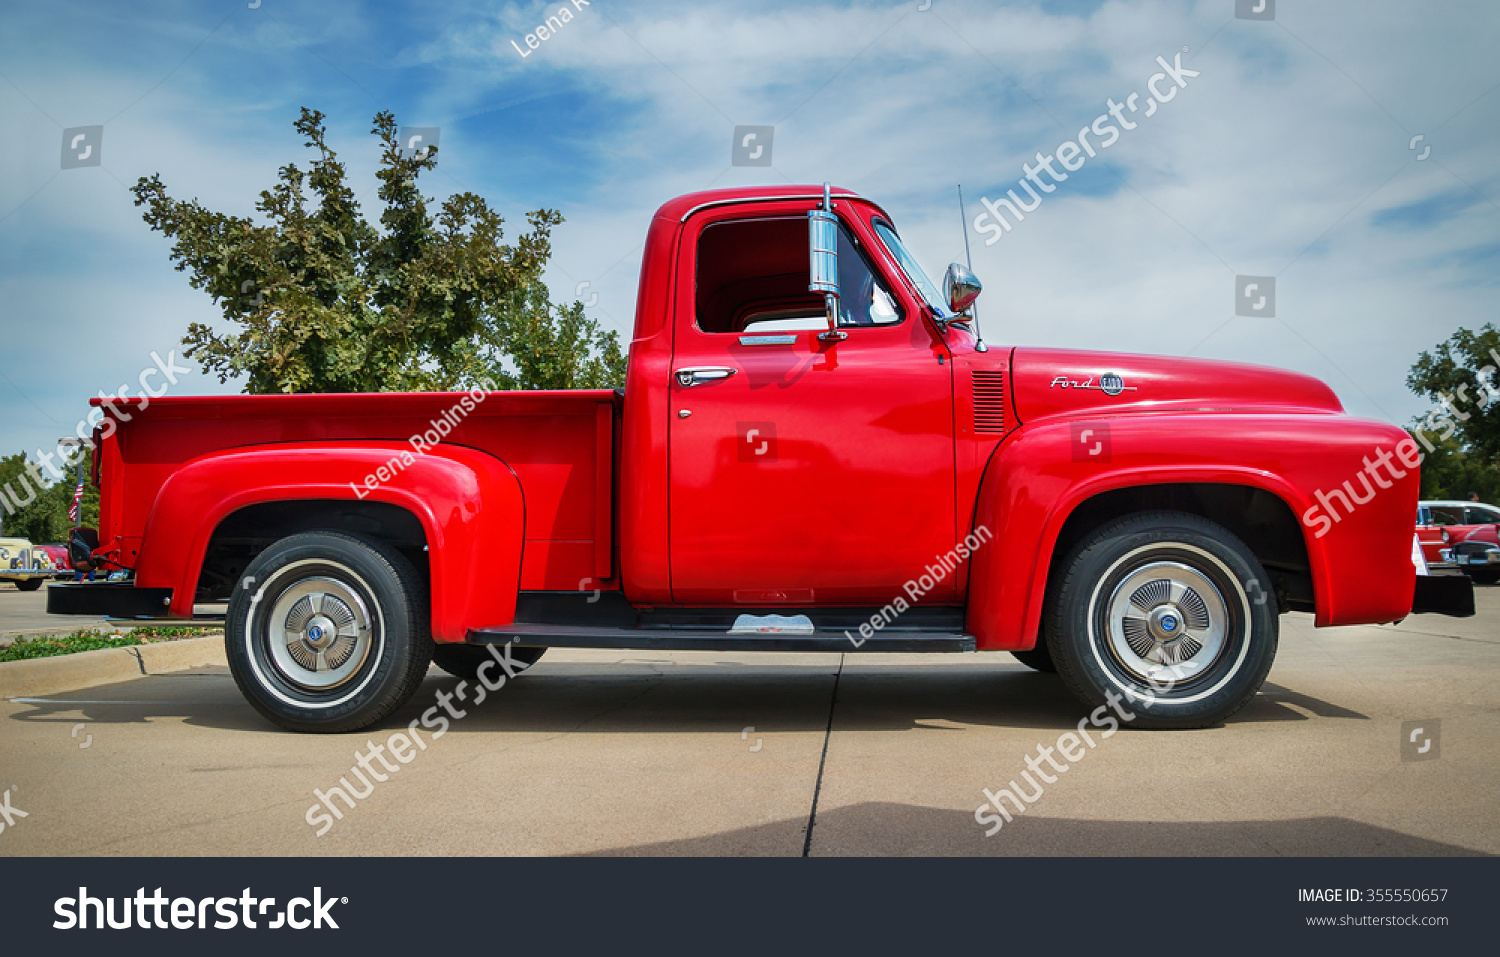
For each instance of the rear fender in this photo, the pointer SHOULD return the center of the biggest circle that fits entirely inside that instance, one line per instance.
(470, 506)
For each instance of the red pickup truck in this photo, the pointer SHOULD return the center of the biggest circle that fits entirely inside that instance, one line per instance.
(813, 451)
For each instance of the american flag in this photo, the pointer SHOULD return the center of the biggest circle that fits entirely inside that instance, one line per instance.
(77, 505)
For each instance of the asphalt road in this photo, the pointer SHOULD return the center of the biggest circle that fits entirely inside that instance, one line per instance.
(702, 753)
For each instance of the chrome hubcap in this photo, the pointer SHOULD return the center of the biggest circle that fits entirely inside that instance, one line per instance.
(319, 631)
(1167, 620)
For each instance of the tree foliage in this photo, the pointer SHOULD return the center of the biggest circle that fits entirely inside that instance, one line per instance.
(32, 511)
(1461, 375)
(324, 301)
(1448, 472)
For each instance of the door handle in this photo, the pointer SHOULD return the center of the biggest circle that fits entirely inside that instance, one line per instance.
(698, 374)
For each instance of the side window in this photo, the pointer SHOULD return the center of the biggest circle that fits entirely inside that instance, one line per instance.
(1481, 516)
(1445, 515)
(864, 299)
(752, 276)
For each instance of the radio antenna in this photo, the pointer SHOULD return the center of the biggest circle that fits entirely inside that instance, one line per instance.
(979, 345)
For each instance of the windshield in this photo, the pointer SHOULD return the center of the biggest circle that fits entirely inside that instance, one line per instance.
(928, 290)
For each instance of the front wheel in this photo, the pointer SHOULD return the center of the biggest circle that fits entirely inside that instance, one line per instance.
(31, 584)
(1166, 618)
(1485, 576)
(328, 632)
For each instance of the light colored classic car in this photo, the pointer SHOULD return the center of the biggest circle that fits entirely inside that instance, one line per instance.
(24, 564)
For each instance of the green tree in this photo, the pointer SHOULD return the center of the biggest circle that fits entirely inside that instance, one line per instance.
(1461, 436)
(37, 513)
(1461, 375)
(324, 301)
(1448, 472)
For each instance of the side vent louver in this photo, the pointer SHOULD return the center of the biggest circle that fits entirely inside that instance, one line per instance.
(989, 401)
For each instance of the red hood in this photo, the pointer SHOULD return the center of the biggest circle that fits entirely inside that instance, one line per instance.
(1065, 381)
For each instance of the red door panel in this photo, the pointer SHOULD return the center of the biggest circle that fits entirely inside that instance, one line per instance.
(815, 472)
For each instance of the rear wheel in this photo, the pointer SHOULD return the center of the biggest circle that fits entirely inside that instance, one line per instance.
(463, 661)
(1165, 617)
(30, 584)
(328, 632)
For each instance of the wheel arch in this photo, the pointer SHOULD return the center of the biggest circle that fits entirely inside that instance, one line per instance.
(241, 535)
(1039, 501)
(468, 506)
(1258, 517)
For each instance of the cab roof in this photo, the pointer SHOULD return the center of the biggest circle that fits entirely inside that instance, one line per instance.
(678, 208)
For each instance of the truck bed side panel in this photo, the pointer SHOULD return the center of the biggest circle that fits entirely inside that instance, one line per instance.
(557, 443)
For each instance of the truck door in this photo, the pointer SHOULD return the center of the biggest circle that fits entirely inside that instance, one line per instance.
(803, 471)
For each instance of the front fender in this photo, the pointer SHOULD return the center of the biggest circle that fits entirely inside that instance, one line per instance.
(470, 505)
(1041, 473)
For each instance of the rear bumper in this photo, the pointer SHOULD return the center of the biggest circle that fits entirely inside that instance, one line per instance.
(108, 600)
(1444, 595)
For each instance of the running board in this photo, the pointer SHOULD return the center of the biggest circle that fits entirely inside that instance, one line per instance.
(530, 635)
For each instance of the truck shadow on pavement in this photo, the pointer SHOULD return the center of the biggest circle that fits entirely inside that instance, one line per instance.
(878, 829)
(662, 698)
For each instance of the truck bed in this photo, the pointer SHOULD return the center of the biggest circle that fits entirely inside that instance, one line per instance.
(560, 445)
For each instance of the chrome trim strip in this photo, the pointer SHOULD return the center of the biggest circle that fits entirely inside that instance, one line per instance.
(760, 199)
(772, 625)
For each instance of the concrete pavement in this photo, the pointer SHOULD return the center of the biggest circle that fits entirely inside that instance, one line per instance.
(624, 753)
(25, 613)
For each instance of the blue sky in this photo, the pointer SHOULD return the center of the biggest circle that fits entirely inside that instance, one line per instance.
(1289, 155)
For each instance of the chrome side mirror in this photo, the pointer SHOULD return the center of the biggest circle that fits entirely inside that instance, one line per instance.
(823, 249)
(962, 288)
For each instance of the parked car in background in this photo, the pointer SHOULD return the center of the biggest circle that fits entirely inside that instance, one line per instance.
(1435, 540)
(24, 564)
(1473, 535)
(57, 559)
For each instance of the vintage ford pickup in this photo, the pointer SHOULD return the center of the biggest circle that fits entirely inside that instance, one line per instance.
(813, 451)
